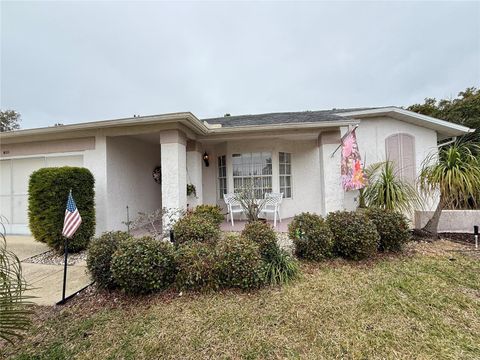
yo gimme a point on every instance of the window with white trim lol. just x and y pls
(222, 176)
(285, 173)
(253, 169)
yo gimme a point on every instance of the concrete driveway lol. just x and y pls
(46, 280)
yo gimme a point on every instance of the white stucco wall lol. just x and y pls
(459, 221)
(130, 163)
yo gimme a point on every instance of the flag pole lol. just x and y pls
(65, 247)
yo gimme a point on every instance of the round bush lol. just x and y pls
(239, 263)
(392, 227)
(355, 236)
(100, 252)
(211, 212)
(264, 236)
(196, 266)
(144, 265)
(47, 200)
(195, 228)
(311, 237)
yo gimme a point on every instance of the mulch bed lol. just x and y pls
(54, 258)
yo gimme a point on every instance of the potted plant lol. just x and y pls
(191, 190)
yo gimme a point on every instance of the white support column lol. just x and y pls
(96, 161)
(174, 170)
(330, 167)
(194, 172)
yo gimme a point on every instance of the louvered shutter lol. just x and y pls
(400, 149)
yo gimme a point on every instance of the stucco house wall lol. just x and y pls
(129, 179)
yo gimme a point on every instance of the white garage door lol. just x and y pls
(14, 177)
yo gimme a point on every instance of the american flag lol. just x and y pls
(72, 218)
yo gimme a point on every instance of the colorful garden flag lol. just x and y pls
(353, 177)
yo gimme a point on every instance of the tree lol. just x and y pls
(463, 110)
(9, 120)
(454, 174)
(387, 190)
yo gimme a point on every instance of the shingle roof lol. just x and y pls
(282, 117)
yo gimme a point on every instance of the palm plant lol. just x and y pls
(454, 174)
(387, 190)
(14, 307)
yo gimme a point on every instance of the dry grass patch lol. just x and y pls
(421, 305)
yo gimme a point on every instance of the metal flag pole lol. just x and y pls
(65, 246)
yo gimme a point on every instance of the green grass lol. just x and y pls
(424, 306)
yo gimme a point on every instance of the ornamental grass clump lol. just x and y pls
(355, 235)
(145, 265)
(195, 228)
(100, 254)
(280, 267)
(311, 237)
(392, 227)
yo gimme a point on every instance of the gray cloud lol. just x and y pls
(82, 61)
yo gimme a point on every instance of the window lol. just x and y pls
(222, 176)
(400, 149)
(285, 172)
(253, 169)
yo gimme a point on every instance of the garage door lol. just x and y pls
(14, 177)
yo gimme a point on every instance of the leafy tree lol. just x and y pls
(9, 120)
(455, 174)
(463, 110)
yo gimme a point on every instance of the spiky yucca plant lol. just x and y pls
(454, 174)
(387, 190)
(14, 304)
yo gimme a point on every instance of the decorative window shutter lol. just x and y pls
(400, 149)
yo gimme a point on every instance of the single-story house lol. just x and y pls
(292, 152)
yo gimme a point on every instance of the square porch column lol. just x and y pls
(173, 156)
(330, 172)
(194, 172)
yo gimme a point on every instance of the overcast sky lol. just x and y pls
(72, 62)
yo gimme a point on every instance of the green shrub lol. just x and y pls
(311, 237)
(239, 263)
(47, 200)
(196, 266)
(281, 268)
(195, 228)
(211, 212)
(144, 265)
(392, 227)
(355, 236)
(264, 236)
(100, 252)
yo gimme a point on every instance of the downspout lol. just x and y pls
(448, 142)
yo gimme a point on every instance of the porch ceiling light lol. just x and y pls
(206, 159)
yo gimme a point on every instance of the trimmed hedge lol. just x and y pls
(211, 212)
(145, 265)
(392, 227)
(264, 236)
(239, 263)
(47, 200)
(355, 236)
(196, 266)
(195, 228)
(100, 254)
(311, 237)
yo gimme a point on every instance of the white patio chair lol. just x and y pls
(272, 206)
(233, 206)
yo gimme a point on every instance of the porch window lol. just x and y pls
(285, 173)
(253, 169)
(222, 176)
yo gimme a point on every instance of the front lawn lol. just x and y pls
(425, 305)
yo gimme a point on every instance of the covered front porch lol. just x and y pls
(239, 225)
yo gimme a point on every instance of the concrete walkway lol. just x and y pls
(46, 280)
